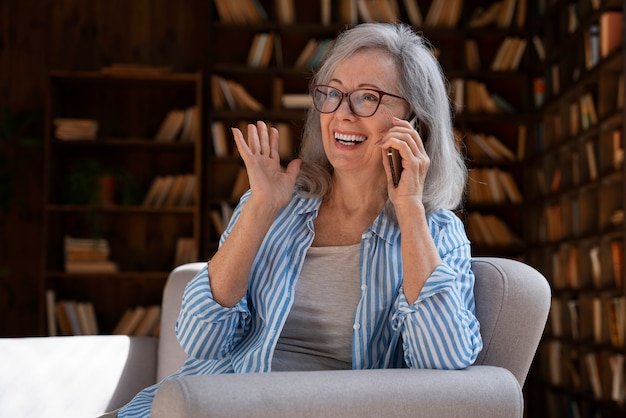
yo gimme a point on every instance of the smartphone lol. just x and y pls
(395, 163)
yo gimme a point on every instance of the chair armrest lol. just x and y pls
(477, 391)
(73, 376)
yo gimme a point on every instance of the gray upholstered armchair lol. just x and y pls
(86, 376)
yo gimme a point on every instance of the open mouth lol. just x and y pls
(349, 140)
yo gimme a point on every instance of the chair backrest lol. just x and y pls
(512, 304)
(171, 355)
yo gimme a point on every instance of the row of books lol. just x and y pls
(265, 45)
(313, 52)
(492, 185)
(473, 96)
(140, 321)
(75, 129)
(487, 147)
(488, 229)
(229, 94)
(603, 37)
(180, 125)
(599, 372)
(501, 14)
(241, 12)
(554, 76)
(600, 319)
(507, 58)
(172, 190)
(88, 255)
(577, 215)
(69, 317)
(599, 267)
(440, 13)
(580, 113)
(610, 146)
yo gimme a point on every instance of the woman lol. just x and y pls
(328, 264)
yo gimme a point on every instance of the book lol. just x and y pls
(506, 12)
(176, 191)
(484, 17)
(325, 12)
(611, 31)
(190, 129)
(413, 12)
(188, 194)
(241, 97)
(296, 101)
(163, 191)
(171, 126)
(76, 267)
(51, 319)
(219, 137)
(472, 55)
(286, 11)
(153, 192)
(83, 255)
(129, 321)
(260, 52)
(76, 129)
(149, 321)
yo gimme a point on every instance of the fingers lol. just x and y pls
(261, 140)
(403, 137)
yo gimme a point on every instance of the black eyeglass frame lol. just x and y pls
(347, 95)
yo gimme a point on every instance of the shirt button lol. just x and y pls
(356, 326)
(364, 287)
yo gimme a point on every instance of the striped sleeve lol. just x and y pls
(206, 329)
(440, 330)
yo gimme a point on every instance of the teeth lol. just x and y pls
(349, 138)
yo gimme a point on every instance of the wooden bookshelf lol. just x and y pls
(129, 107)
(575, 190)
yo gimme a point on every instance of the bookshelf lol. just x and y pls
(101, 186)
(575, 190)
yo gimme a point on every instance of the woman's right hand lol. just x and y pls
(270, 185)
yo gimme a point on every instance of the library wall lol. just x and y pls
(38, 35)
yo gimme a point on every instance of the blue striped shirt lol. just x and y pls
(438, 331)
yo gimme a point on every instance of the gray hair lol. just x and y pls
(422, 83)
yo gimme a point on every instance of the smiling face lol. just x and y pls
(350, 140)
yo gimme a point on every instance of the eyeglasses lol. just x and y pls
(362, 102)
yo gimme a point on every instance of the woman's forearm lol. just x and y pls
(419, 252)
(229, 268)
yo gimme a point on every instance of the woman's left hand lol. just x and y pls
(415, 162)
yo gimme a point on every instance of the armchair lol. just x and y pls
(86, 376)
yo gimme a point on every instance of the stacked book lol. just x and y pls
(75, 129)
(86, 255)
